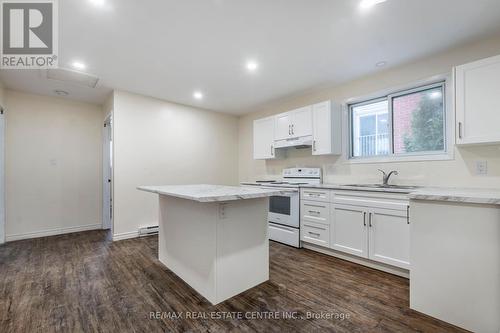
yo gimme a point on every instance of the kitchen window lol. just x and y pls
(406, 123)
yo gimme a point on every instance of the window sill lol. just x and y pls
(399, 159)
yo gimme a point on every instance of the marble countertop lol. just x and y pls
(466, 195)
(362, 188)
(212, 193)
(450, 194)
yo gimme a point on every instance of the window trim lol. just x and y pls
(444, 81)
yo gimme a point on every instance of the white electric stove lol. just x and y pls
(284, 210)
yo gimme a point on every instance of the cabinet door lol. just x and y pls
(348, 231)
(477, 101)
(302, 121)
(327, 129)
(283, 127)
(389, 237)
(263, 138)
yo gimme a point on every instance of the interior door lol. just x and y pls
(302, 122)
(107, 161)
(348, 232)
(389, 237)
(283, 126)
(2, 176)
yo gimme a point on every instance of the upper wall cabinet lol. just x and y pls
(263, 138)
(317, 125)
(477, 91)
(327, 125)
(294, 124)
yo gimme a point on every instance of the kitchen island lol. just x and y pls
(214, 237)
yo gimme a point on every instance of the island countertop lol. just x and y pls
(213, 193)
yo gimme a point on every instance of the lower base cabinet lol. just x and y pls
(367, 225)
(389, 237)
(348, 230)
(377, 234)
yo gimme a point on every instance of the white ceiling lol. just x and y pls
(170, 48)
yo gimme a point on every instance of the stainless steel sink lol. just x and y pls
(394, 187)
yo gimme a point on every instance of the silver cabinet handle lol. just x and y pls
(289, 129)
(407, 214)
(293, 131)
(314, 234)
(314, 212)
(272, 150)
(364, 219)
(370, 219)
(314, 145)
(459, 129)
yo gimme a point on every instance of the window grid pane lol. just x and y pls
(370, 129)
(416, 124)
(418, 121)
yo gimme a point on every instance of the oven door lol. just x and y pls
(284, 209)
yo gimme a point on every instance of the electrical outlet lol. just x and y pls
(481, 168)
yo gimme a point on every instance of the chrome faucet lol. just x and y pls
(387, 176)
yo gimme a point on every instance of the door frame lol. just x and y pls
(107, 172)
(2, 175)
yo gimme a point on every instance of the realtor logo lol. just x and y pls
(29, 34)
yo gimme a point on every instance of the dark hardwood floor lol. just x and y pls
(83, 282)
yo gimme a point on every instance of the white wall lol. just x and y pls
(157, 142)
(458, 172)
(53, 165)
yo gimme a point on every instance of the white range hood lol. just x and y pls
(302, 141)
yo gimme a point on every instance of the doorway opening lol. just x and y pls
(107, 172)
(2, 176)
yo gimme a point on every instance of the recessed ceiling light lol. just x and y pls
(61, 92)
(252, 66)
(78, 65)
(98, 2)
(365, 4)
(381, 63)
(198, 95)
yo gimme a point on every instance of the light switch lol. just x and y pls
(481, 168)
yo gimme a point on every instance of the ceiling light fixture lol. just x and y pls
(381, 63)
(198, 95)
(79, 65)
(366, 4)
(252, 66)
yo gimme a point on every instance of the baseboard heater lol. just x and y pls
(148, 231)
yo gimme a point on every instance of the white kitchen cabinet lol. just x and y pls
(315, 211)
(263, 138)
(316, 233)
(477, 91)
(327, 129)
(294, 124)
(283, 126)
(348, 232)
(302, 122)
(389, 237)
(315, 194)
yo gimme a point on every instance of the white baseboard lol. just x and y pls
(53, 232)
(361, 261)
(125, 235)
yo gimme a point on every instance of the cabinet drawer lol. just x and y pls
(315, 233)
(315, 211)
(315, 195)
